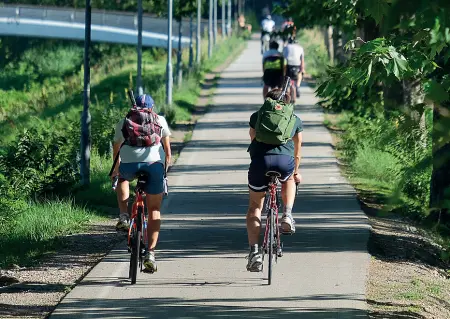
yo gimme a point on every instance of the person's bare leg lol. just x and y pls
(288, 190)
(154, 219)
(123, 193)
(299, 83)
(256, 201)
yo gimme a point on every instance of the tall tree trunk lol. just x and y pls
(328, 36)
(338, 43)
(440, 178)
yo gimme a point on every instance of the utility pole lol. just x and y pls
(191, 40)
(179, 54)
(199, 32)
(140, 90)
(210, 28)
(169, 71)
(215, 22)
(229, 19)
(224, 32)
(86, 116)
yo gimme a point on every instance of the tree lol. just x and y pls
(404, 44)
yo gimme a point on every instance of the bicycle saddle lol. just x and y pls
(273, 174)
(142, 178)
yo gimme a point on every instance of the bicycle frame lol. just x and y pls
(272, 243)
(137, 233)
(272, 206)
(138, 203)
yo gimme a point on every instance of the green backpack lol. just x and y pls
(275, 123)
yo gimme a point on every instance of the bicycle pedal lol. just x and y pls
(149, 271)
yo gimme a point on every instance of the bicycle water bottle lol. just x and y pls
(166, 186)
(114, 183)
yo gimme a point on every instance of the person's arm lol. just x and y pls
(167, 150)
(298, 138)
(252, 133)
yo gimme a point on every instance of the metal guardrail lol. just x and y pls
(123, 20)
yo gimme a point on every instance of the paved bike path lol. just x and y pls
(203, 240)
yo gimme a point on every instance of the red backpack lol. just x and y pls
(141, 127)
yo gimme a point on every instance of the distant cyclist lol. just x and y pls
(274, 68)
(152, 160)
(267, 27)
(295, 57)
(267, 155)
(288, 29)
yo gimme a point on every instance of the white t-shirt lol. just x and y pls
(293, 53)
(136, 154)
(267, 25)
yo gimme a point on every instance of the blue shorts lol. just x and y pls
(155, 173)
(257, 179)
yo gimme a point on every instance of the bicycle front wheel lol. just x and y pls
(134, 258)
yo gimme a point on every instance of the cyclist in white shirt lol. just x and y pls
(267, 27)
(153, 161)
(295, 57)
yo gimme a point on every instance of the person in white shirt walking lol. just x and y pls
(267, 27)
(295, 57)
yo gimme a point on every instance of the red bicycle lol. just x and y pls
(272, 245)
(137, 233)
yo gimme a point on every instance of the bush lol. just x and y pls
(40, 162)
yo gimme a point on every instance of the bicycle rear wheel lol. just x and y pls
(270, 220)
(135, 250)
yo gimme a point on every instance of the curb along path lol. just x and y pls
(203, 239)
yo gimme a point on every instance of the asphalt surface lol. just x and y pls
(203, 242)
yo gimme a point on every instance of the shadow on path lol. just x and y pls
(208, 308)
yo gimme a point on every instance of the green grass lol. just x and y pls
(35, 230)
(376, 167)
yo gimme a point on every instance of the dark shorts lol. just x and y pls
(257, 179)
(292, 71)
(273, 78)
(155, 173)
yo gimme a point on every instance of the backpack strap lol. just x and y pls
(115, 160)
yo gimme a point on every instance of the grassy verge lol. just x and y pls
(37, 228)
(32, 225)
(387, 162)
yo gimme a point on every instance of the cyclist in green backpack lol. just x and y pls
(276, 138)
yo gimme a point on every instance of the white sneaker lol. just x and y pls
(254, 262)
(287, 224)
(123, 223)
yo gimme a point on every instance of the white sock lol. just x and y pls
(287, 210)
